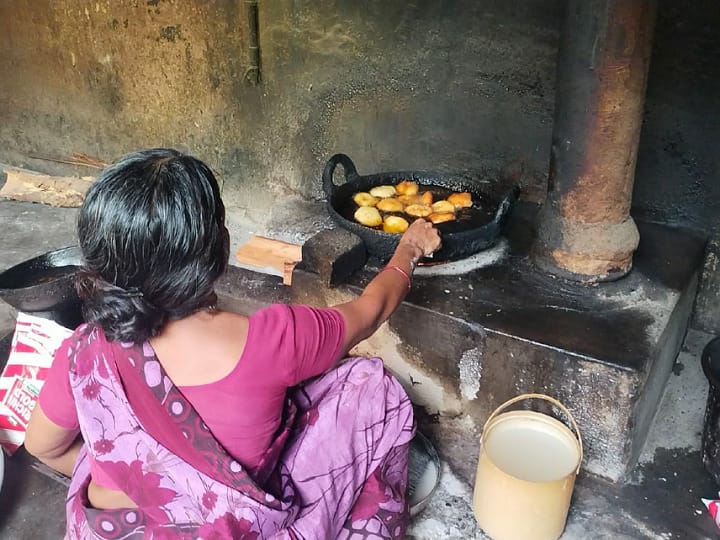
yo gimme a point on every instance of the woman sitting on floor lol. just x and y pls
(176, 419)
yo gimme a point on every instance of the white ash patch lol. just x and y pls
(455, 486)
(480, 260)
(470, 373)
(467, 423)
(658, 306)
(449, 513)
(423, 388)
(681, 413)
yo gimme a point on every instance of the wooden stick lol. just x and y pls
(97, 164)
(63, 191)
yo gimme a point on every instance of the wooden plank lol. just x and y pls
(64, 191)
(265, 253)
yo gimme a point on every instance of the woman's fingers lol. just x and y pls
(424, 235)
(434, 242)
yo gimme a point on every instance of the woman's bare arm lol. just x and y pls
(55, 446)
(364, 315)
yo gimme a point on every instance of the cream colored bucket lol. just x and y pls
(526, 473)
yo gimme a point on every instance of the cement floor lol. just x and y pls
(662, 501)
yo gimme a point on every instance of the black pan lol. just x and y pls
(476, 228)
(45, 286)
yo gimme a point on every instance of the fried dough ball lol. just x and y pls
(426, 198)
(383, 192)
(443, 207)
(409, 199)
(390, 205)
(365, 199)
(418, 210)
(441, 217)
(460, 200)
(368, 216)
(395, 224)
(406, 187)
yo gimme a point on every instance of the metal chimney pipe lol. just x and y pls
(586, 232)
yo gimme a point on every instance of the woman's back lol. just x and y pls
(236, 370)
(202, 348)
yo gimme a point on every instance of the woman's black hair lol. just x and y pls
(153, 237)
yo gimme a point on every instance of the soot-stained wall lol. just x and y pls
(461, 85)
(677, 179)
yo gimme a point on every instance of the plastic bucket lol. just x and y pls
(711, 429)
(526, 473)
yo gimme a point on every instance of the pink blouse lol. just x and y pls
(285, 345)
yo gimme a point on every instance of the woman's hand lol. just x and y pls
(422, 237)
(385, 293)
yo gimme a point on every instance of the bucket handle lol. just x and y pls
(552, 400)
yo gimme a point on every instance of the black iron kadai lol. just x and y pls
(476, 228)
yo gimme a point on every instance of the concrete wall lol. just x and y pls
(454, 85)
(678, 172)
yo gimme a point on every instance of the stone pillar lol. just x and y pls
(586, 232)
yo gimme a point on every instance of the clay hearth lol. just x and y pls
(463, 343)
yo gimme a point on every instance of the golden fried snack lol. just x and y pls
(368, 216)
(383, 192)
(460, 200)
(409, 199)
(365, 199)
(395, 224)
(406, 187)
(390, 205)
(443, 207)
(426, 198)
(418, 210)
(441, 217)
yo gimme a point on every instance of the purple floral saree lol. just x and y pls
(337, 468)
